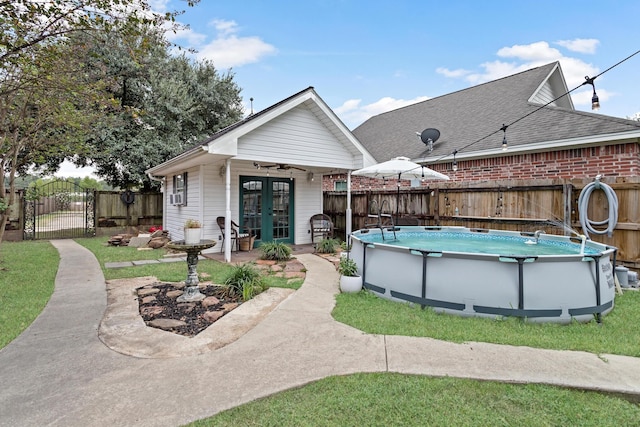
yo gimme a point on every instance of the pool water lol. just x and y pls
(477, 243)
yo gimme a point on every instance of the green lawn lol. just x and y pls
(384, 399)
(27, 275)
(370, 399)
(168, 272)
(615, 335)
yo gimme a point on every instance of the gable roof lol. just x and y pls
(224, 143)
(469, 120)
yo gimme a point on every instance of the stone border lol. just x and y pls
(123, 330)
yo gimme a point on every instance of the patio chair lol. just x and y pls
(235, 232)
(322, 226)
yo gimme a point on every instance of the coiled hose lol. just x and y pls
(583, 204)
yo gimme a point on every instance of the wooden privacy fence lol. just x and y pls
(550, 205)
(113, 210)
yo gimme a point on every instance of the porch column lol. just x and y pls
(348, 211)
(227, 214)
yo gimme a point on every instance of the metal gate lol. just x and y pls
(59, 210)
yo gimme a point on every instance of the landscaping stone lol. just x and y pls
(158, 242)
(153, 310)
(148, 299)
(147, 291)
(208, 301)
(174, 294)
(212, 316)
(138, 242)
(166, 323)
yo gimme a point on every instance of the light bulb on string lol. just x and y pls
(505, 147)
(454, 166)
(595, 101)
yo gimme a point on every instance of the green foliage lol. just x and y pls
(347, 267)
(244, 281)
(276, 251)
(164, 104)
(27, 275)
(192, 223)
(327, 246)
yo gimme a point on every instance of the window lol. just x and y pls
(180, 187)
(340, 186)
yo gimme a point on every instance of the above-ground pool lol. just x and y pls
(491, 273)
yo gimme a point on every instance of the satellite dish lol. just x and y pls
(430, 134)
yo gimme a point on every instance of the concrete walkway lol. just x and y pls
(59, 373)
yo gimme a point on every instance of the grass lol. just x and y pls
(24, 289)
(167, 272)
(615, 334)
(383, 399)
(370, 399)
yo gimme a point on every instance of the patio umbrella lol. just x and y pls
(400, 168)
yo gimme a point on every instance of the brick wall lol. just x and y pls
(610, 160)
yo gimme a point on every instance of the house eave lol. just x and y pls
(596, 140)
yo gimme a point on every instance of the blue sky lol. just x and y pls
(367, 57)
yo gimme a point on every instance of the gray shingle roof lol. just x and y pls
(468, 116)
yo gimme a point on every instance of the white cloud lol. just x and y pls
(583, 97)
(235, 51)
(353, 114)
(190, 37)
(580, 45)
(539, 51)
(460, 72)
(159, 6)
(524, 57)
(227, 49)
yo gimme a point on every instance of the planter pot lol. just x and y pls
(246, 243)
(350, 284)
(191, 236)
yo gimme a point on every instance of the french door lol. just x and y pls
(267, 208)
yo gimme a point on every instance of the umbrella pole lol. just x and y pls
(397, 201)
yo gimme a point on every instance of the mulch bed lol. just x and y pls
(159, 308)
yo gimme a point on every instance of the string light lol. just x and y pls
(595, 101)
(504, 137)
(454, 166)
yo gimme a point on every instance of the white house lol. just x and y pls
(263, 172)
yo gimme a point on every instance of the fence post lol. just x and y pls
(567, 197)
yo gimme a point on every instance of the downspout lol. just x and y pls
(348, 211)
(227, 221)
(164, 197)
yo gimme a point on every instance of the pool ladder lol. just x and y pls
(383, 220)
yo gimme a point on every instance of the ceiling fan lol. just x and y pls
(278, 166)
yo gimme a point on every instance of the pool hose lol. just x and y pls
(583, 204)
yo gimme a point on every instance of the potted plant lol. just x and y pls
(350, 280)
(192, 232)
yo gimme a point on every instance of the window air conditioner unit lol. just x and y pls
(176, 199)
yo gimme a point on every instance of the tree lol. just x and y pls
(166, 104)
(47, 97)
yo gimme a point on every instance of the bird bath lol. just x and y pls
(191, 290)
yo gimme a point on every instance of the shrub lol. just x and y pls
(192, 223)
(276, 251)
(244, 281)
(347, 267)
(327, 246)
